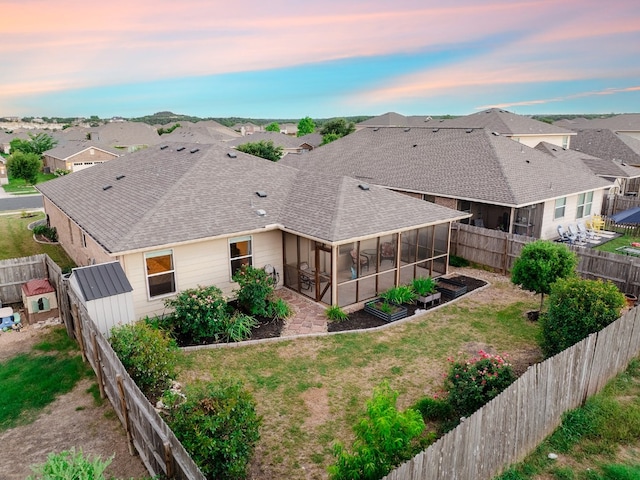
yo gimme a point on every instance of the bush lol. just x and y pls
(70, 465)
(472, 383)
(398, 295)
(434, 409)
(456, 261)
(424, 286)
(199, 313)
(48, 232)
(218, 426)
(148, 355)
(578, 308)
(335, 314)
(385, 437)
(237, 327)
(256, 290)
(279, 309)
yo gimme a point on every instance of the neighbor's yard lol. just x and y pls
(16, 240)
(17, 186)
(311, 391)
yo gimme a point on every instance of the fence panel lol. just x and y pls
(14, 272)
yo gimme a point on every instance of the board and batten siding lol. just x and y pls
(199, 264)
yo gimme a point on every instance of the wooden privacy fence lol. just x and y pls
(158, 447)
(499, 250)
(509, 427)
(17, 271)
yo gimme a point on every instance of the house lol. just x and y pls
(627, 124)
(74, 156)
(504, 184)
(608, 144)
(200, 132)
(180, 215)
(4, 174)
(310, 141)
(127, 136)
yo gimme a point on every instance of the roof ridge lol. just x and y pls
(501, 165)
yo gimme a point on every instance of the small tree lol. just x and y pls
(540, 264)
(578, 308)
(329, 137)
(339, 126)
(37, 144)
(263, 149)
(273, 127)
(306, 126)
(385, 437)
(25, 166)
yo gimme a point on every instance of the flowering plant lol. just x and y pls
(256, 290)
(473, 382)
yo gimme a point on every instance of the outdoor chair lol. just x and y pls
(364, 260)
(387, 252)
(565, 236)
(579, 236)
(588, 232)
(307, 277)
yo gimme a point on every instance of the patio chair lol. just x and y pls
(364, 260)
(387, 252)
(307, 277)
(588, 232)
(579, 236)
(596, 223)
(565, 236)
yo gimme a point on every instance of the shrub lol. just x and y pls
(237, 327)
(48, 232)
(335, 314)
(434, 409)
(199, 313)
(279, 309)
(456, 261)
(218, 426)
(472, 383)
(423, 286)
(385, 437)
(398, 295)
(70, 465)
(578, 308)
(148, 355)
(256, 290)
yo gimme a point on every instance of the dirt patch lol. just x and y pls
(317, 402)
(72, 420)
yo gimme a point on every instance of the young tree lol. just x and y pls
(540, 264)
(329, 137)
(273, 127)
(37, 144)
(25, 166)
(305, 126)
(578, 308)
(338, 126)
(264, 149)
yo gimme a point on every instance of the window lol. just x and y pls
(160, 273)
(565, 141)
(84, 240)
(561, 203)
(240, 253)
(584, 204)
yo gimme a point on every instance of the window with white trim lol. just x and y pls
(240, 253)
(585, 201)
(561, 204)
(161, 278)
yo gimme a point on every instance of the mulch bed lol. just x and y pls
(361, 319)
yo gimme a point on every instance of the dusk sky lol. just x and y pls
(290, 59)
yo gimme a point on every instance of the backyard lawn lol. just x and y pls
(16, 240)
(18, 186)
(623, 241)
(310, 391)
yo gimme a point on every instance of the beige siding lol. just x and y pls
(200, 264)
(533, 140)
(549, 225)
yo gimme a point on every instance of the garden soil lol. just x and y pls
(72, 420)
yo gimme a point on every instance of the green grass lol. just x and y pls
(592, 440)
(311, 391)
(18, 186)
(16, 240)
(33, 380)
(623, 241)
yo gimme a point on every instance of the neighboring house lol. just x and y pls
(128, 136)
(504, 184)
(247, 128)
(176, 216)
(289, 129)
(5, 142)
(389, 119)
(4, 176)
(288, 143)
(75, 156)
(201, 132)
(310, 141)
(626, 123)
(608, 144)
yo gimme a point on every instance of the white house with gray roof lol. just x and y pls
(504, 184)
(74, 156)
(180, 215)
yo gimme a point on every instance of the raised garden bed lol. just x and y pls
(451, 288)
(398, 311)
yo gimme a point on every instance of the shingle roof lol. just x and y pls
(476, 165)
(503, 122)
(278, 139)
(389, 119)
(119, 134)
(626, 122)
(102, 280)
(607, 144)
(168, 196)
(70, 148)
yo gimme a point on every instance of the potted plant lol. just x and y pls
(389, 306)
(426, 290)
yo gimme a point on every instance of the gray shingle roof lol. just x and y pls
(607, 144)
(626, 122)
(119, 134)
(389, 119)
(476, 166)
(278, 139)
(102, 280)
(169, 196)
(72, 147)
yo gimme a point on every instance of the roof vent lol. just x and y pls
(376, 129)
(106, 187)
(495, 133)
(415, 145)
(469, 130)
(120, 177)
(163, 147)
(261, 194)
(194, 150)
(261, 212)
(364, 186)
(180, 149)
(232, 154)
(407, 129)
(527, 161)
(435, 130)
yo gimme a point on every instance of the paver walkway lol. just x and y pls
(308, 316)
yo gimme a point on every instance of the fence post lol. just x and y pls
(77, 321)
(96, 356)
(125, 413)
(168, 460)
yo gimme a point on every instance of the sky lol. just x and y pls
(328, 58)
